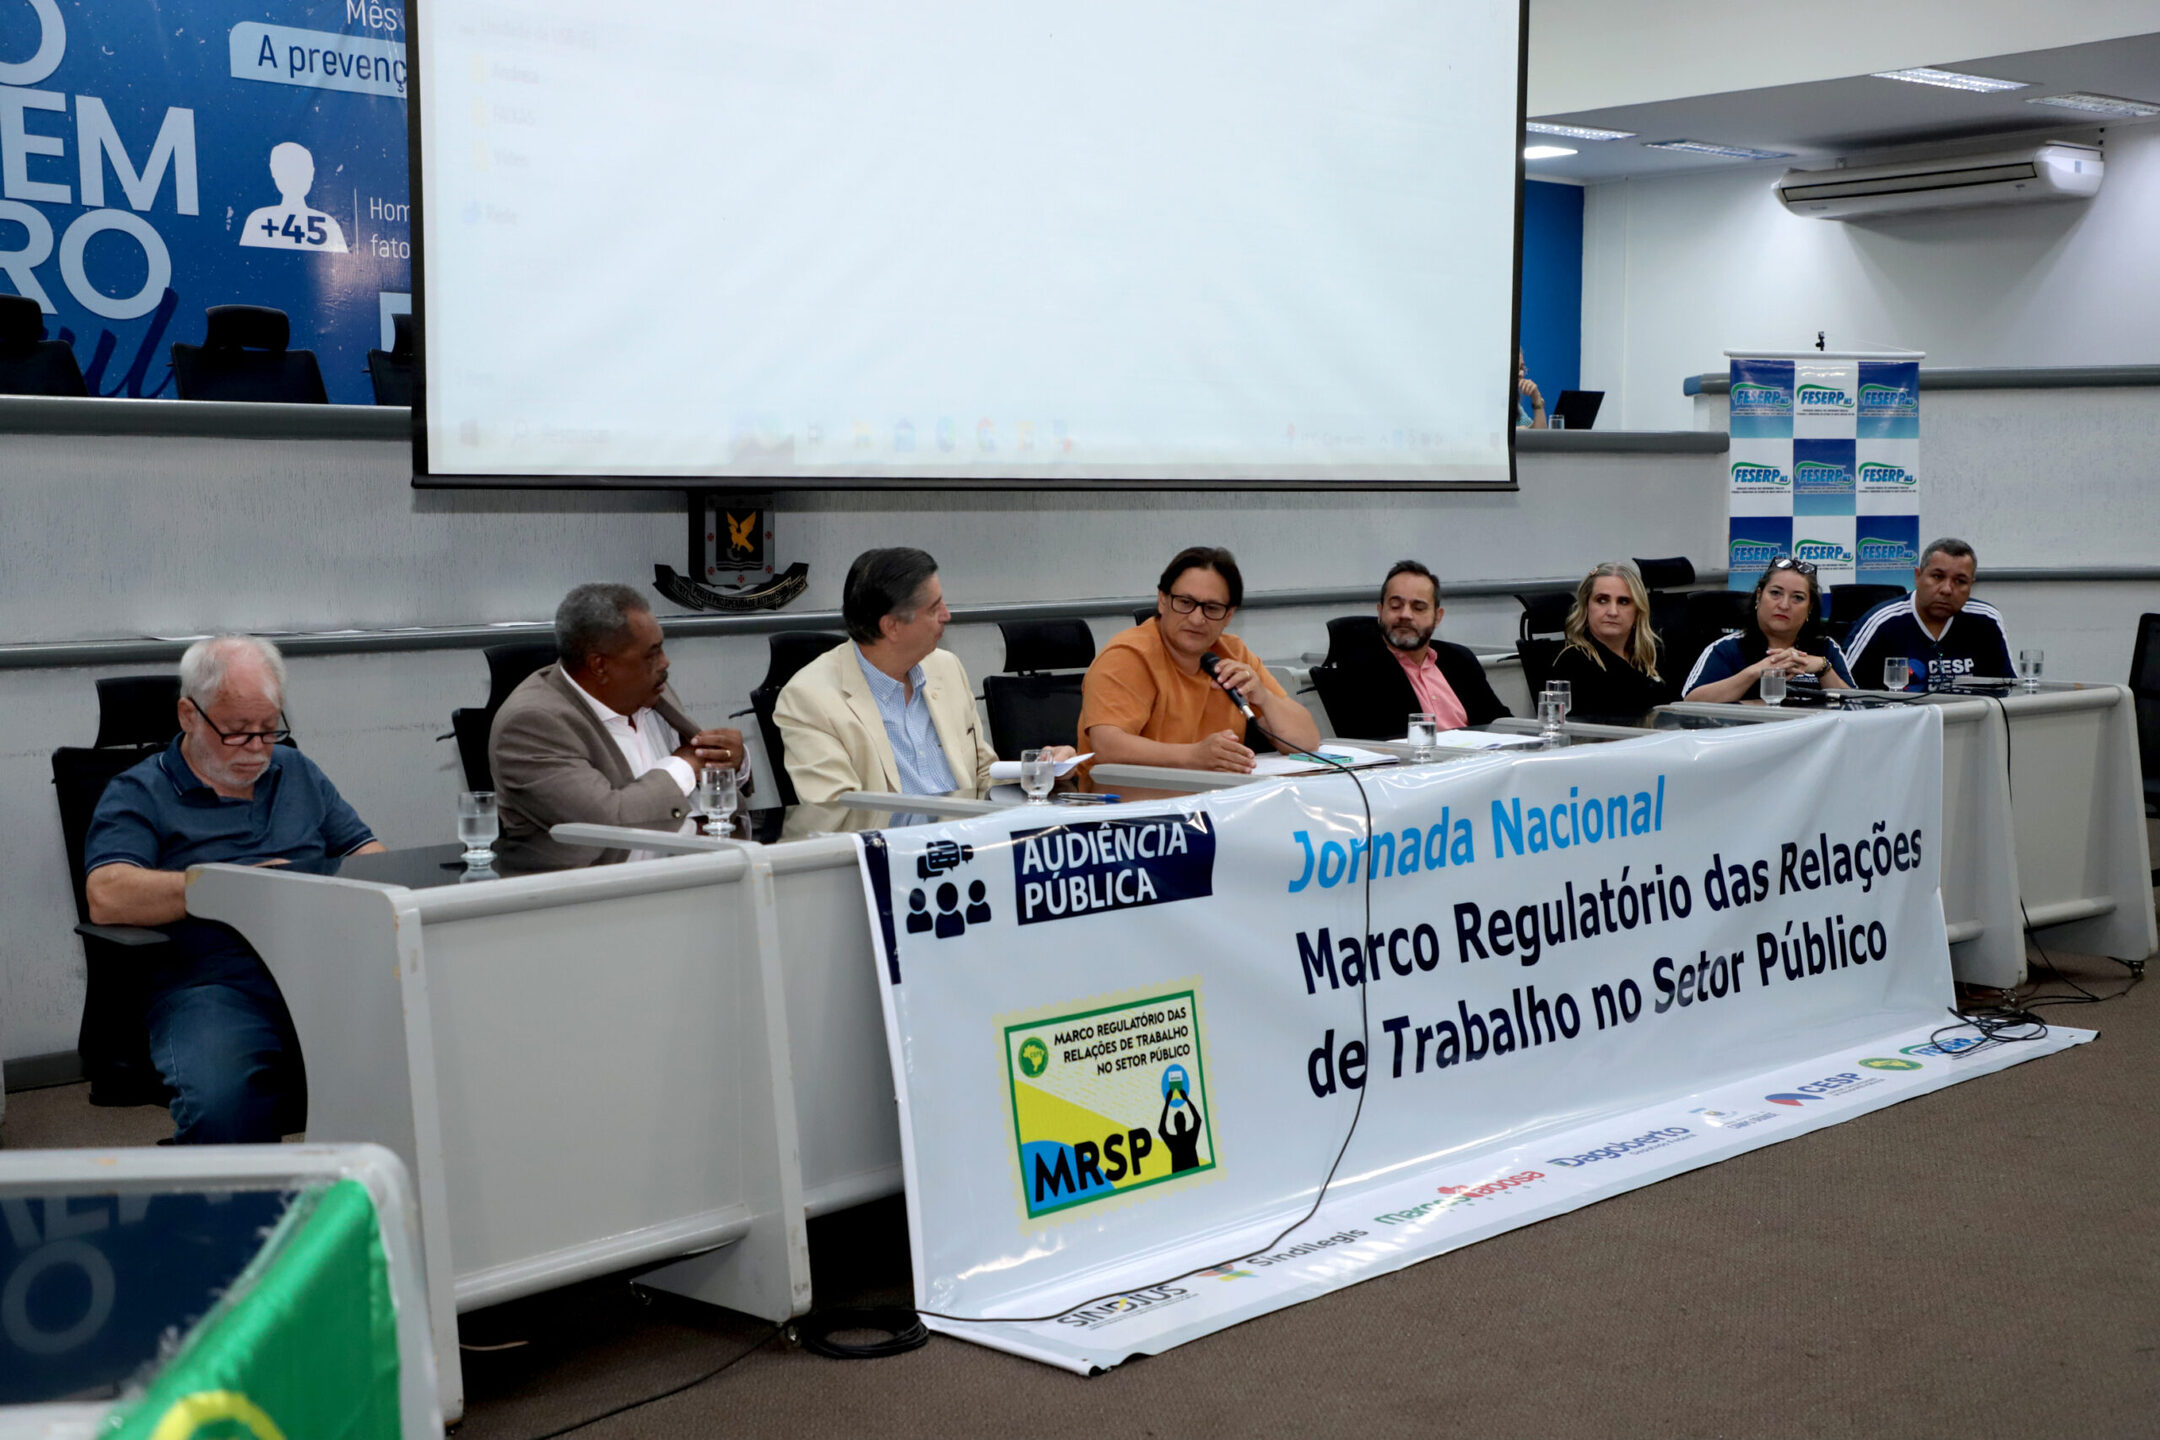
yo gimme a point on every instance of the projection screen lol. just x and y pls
(834, 244)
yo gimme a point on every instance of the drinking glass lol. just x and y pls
(1552, 715)
(1424, 732)
(1038, 775)
(477, 825)
(2029, 662)
(1565, 693)
(1556, 422)
(1896, 673)
(716, 797)
(1773, 687)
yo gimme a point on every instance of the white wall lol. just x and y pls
(1676, 270)
(1587, 54)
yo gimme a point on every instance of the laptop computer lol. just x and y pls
(1578, 408)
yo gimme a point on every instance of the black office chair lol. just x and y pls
(1711, 615)
(1351, 714)
(1144, 614)
(1544, 612)
(137, 717)
(1849, 602)
(244, 357)
(791, 650)
(1028, 707)
(1538, 655)
(508, 666)
(2145, 686)
(29, 363)
(1664, 578)
(392, 370)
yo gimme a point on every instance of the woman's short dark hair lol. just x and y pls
(1811, 627)
(1205, 557)
(881, 583)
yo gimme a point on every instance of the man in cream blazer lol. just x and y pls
(891, 711)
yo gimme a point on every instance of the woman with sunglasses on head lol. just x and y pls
(1782, 633)
(1610, 660)
(1149, 700)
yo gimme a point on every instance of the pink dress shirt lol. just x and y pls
(1435, 696)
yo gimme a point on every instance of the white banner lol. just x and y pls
(1129, 1044)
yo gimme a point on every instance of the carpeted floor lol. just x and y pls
(1978, 1262)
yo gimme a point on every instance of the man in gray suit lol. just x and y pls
(598, 737)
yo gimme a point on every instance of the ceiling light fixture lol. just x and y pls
(2098, 105)
(1577, 132)
(1545, 152)
(1951, 79)
(1729, 152)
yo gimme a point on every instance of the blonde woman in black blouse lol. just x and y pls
(1610, 660)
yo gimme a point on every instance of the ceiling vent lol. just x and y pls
(1999, 177)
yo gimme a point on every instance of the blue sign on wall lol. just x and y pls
(158, 157)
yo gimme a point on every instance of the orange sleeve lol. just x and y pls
(1118, 690)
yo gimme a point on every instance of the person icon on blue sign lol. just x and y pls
(290, 224)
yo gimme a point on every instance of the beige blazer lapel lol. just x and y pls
(855, 693)
(600, 747)
(952, 711)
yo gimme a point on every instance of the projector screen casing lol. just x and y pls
(1005, 467)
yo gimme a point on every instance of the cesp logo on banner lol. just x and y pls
(1878, 552)
(1086, 867)
(1817, 399)
(1753, 398)
(97, 147)
(1879, 475)
(1751, 477)
(1108, 1100)
(1822, 553)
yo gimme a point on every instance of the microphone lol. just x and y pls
(1208, 662)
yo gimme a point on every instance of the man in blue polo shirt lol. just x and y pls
(223, 792)
(1939, 629)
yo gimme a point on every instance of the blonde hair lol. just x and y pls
(1640, 648)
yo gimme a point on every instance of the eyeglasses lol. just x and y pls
(1186, 604)
(234, 739)
(1786, 562)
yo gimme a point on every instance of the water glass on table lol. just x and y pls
(1038, 775)
(1896, 673)
(477, 825)
(1552, 717)
(716, 797)
(2029, 663)
(1564, 692)
(1423, 733)
(1773, 686)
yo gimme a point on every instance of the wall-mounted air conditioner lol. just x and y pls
(1999, 177)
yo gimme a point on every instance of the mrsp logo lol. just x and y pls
(1748, 475)
(1822, 552)
(1817, 399)
(1877, 475)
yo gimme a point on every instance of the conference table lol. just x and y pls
(621, 1048)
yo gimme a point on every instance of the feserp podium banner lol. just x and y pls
(1129, 1043)
(1824, 466)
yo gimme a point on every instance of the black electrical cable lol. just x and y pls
(691, 1384)
(1364, 1044)
(2017, 1020)
(903, 1332)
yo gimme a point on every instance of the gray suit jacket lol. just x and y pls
(555, 762)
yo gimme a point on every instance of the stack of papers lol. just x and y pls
(1305, 764)
(1007, 772)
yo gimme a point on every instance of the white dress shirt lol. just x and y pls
(647, 741)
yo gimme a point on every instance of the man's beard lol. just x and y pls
(1418, 640)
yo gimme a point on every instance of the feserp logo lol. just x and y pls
(1750, 554)
(1876, 551)
(1875, 472)
(1819, 473)
(1747, 472)
(1750, 396)
(1821, 552)
(1823, 397)
(1889, 400)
